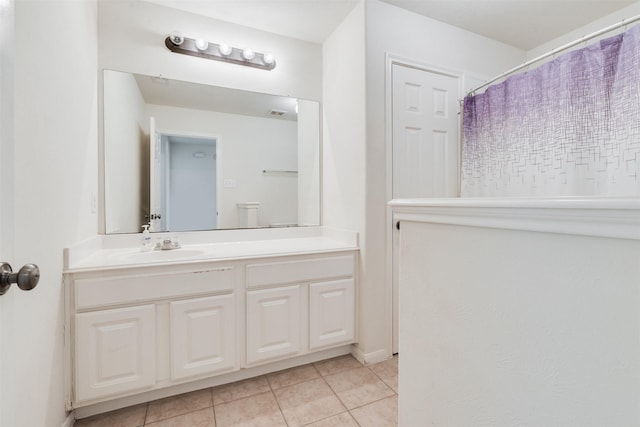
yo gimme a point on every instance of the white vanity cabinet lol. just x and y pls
(138, 329)
(144, 331)
(294, 307)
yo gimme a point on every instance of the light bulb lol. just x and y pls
(202, 44)
(268, 58)
(176, 38)
(248, 54)
(224, 49)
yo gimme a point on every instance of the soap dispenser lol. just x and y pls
(146, 244)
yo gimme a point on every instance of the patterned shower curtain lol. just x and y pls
(570, 127)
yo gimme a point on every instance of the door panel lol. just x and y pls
(425, 133)
(202, 336)
(273, 323)
(331, 313)
(115, 351)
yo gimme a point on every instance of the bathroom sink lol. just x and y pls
(161, 255)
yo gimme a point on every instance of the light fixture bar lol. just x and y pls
(212, 51)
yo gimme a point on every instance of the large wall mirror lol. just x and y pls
(185, 157)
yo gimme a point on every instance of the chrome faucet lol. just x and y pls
(167, 244)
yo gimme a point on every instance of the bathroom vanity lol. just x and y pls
(145, 325)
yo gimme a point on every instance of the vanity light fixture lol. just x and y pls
(268, 58)
(225, 49)
(176, 38)
(201, 45)
(219, 52)
(248, 54)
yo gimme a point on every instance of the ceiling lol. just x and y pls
(521, 23)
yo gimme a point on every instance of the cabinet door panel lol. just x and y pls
(331, 313)
(202, 336)
(115, 351)
(273, 323)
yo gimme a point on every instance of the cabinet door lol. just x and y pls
(273, 323)
(115, 351)
(331, 313)
(202, 336)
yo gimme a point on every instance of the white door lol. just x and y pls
(273, 323)
(425, 133)
(425, 127)
(202, 336)
(331, 313)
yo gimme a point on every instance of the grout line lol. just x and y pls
(146, 413)
(276, 399)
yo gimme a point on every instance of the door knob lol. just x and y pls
(27, 277)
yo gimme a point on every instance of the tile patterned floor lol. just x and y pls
(338, 392)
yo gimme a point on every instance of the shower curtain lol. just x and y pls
(570, 127)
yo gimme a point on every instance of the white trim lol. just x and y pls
(70, 420)
(371, 358)
(597, 217)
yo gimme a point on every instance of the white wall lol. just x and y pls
(355, 174)
(246, 146)
(55, 175)
(132, 34)
(343, 156)
(508, 327)
(127, 130)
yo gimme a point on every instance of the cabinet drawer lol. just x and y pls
(98, 292)
(303, 270)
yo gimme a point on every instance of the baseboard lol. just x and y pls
(70, 420)
(370, 358)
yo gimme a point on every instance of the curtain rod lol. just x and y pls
(559, 49)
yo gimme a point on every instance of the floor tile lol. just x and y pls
(256, 411)
(133, 416)
(292, 376)
(383, 413)
(178, 405)
(387, 371)
(307, 402)
(357, 387)
(337, 364)
(201, 418)
(240, 390)
(341, 420)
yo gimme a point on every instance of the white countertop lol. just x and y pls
(99, 254)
